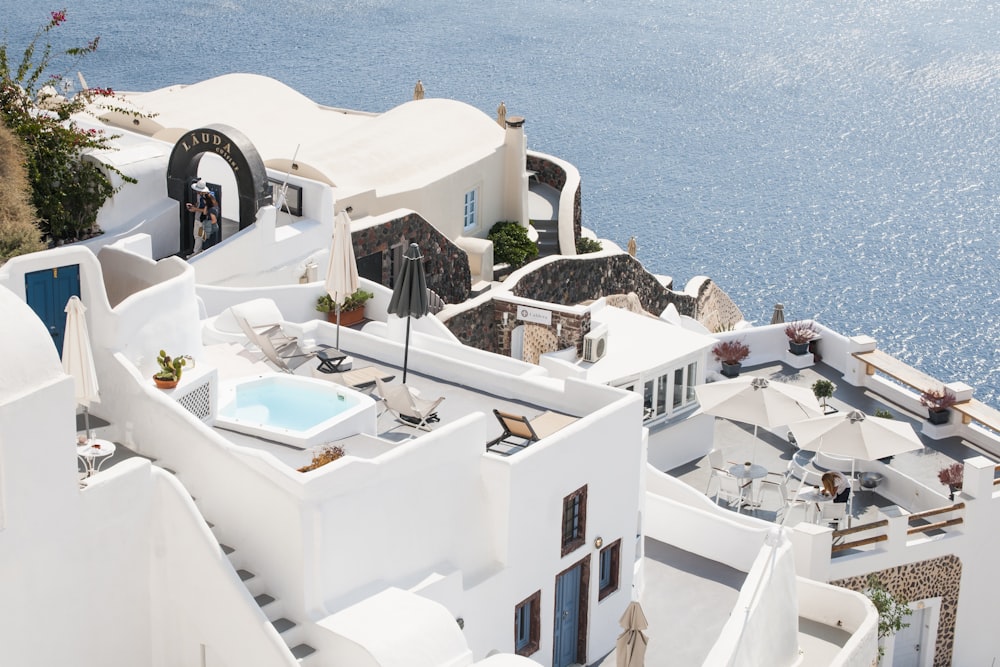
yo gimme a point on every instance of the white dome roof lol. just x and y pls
(28, 359)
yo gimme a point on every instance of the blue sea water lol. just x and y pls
(839, 157)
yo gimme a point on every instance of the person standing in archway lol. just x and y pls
(213, 220)
(207, 210)
(198, 209)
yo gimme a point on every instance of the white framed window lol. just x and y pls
(471, 206)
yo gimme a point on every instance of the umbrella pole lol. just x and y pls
(406, 348)
(338, 326)
(850, 496)
(86, 421)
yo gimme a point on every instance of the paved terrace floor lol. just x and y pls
(687, 598)
(234, 362)
(772, 450)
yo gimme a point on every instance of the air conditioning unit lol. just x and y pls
(595, 344)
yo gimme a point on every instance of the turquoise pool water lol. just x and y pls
(285, 408)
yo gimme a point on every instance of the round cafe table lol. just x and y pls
(93, 454)
(814, 496)
(748, 475)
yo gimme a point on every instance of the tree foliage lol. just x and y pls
(67, 189)
(511, 244)
(891, 609)
(586, 245)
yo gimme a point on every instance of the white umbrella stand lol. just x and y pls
(78, 358)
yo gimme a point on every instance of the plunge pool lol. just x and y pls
(294, 410)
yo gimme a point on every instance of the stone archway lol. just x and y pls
(242, 157)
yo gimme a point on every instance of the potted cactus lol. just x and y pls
(170, 370)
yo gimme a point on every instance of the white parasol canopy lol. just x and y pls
(856, 436)
(757, 401)
(342, 273)
(630, 648)
(78, 358)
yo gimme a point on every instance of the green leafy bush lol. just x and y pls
(891, 610)
(511, 244)
(67, 191)
(585, 245)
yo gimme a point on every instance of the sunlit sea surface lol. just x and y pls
(837, 157)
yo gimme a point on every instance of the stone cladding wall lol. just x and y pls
(716, 311)
(446, 265)
(569, 281)
(568, 328)
(938, 577)
(476, 327)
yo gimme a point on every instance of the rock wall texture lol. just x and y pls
(938, 577)
(446, 265)
(572, 280)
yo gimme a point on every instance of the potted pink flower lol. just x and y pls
(952, 476)
(731, 353)
(937, 402)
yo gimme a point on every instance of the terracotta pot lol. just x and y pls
(347, 317)
(165, 384)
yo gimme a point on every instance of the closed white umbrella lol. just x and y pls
(630, 648)
(342, 273)
(78, 358)
(758, 401)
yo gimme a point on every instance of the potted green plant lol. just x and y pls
(822, 390)
(352, 309)
(800, 334)
(170, 370)
(952, 476)
(731, 353)
(937, 402)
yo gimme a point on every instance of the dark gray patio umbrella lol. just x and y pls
(409, 295)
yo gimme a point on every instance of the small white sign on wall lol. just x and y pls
(536, 315)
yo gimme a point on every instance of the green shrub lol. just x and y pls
(585, 245)
(891, 610)
(511, 244)
(66, 190)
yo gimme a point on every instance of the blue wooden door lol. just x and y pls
(567, 621)
(47, 293)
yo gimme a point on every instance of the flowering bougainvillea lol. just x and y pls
(66, 190)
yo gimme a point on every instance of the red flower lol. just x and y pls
(59, 17)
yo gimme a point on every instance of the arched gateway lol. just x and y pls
(235, 148)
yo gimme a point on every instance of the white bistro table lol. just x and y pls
(748, 476)
(814, 496)
(94, 453)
